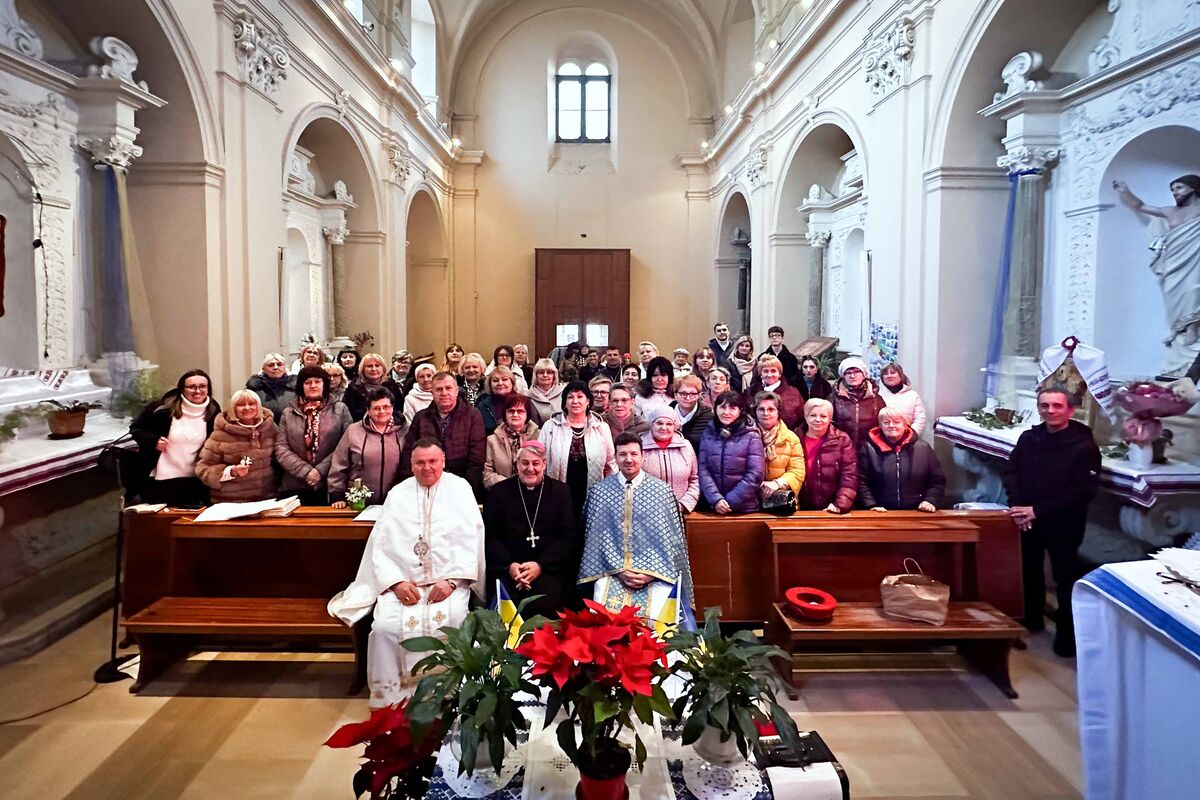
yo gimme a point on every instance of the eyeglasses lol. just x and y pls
(196, 387)
(685, 393)
(620, 401)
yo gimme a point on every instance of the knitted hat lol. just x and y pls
(426, 365)
(853, 362)
(661, 411)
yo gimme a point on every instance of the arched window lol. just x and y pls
(582, 110)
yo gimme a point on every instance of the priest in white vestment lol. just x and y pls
(422, 561)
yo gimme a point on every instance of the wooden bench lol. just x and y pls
(170, 628)
(984, 636)
(245, 581)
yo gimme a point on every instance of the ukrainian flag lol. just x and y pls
(508, 614)
(667, 618)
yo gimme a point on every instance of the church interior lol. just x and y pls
(1000, 195)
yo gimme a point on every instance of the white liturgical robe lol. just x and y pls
(423, 536)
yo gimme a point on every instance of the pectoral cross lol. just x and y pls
(533, 538)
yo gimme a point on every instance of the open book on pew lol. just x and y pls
(262, 508)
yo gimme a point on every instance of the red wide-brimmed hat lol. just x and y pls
(811, 604)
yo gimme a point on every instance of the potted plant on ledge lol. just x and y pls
(470, 687)
(729, 691)
(601, 668)
(66, 421)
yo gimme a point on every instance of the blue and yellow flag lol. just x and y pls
(508, 614)
(667, 617)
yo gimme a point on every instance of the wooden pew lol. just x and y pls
(248, 580)
(733, 567)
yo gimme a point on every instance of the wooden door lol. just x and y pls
(581, 287)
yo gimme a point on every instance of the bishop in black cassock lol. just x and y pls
(532, 523)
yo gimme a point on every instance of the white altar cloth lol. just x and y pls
(1138, 643)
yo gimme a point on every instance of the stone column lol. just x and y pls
(818, 240)
(1027, 166)
(337, 266)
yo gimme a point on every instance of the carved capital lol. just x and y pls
(112, 151)
(1016, 74)
(888, 58)
(119, 60)
(1023, 158)
(262, 58)
(399, 160)
(336, 236)
(817, 238)
(16, 32)
(756, 167)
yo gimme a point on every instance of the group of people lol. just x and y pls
(551, 448)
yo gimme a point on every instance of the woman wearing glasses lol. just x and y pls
(170, 433)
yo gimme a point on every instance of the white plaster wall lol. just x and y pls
(521, 206)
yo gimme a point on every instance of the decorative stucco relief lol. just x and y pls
(17, 33)
(399, 160)
(1081, 275)
(1016, 75)
(756, 167)
(261, 56)
(119, 60)
(53, 284)
(888, 58)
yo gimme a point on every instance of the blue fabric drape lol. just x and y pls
(116, 329)
(1003, 279)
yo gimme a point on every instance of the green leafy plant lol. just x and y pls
(729, 685)
(73, 407)
(992, 421)
(133, 398)
(19, 417)
(472, 679)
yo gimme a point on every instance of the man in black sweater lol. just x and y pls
(1051, 477)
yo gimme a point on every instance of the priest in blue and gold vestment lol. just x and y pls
(634, 547)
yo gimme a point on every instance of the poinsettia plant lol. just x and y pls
(602, 668)
(396, 766)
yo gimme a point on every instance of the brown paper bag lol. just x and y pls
(915, 596)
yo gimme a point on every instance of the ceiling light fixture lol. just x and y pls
(704, 145)
(773, 44)
(759, 67)
(457, 142)
(729, 108)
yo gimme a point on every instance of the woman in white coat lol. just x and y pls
(579, 447)
(896, 392)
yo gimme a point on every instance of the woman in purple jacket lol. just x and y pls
(731, 458)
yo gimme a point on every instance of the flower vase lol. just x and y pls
(356, 505)
(1141, 455)
(603, 777)
(712, 749)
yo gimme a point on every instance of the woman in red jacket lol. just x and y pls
(830, 464)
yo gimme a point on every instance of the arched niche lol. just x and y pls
(733, 264)
(19, 325)
(821, 200)
(1130, 313)
(424, 44)
(330, 194)
(738, 58)
(428, 276)
(297, 289)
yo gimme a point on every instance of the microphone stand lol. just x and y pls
(110, 671)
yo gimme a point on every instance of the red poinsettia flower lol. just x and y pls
(381, 720)
(552, 655)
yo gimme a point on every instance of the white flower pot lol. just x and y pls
(710, 747)
(1141, 456)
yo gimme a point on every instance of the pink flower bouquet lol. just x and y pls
(1149, 403)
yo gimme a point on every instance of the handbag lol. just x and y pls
(780, 502)
(915, 596)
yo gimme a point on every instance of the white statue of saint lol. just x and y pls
(1176, 263)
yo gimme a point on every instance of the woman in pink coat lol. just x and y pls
(668, 457)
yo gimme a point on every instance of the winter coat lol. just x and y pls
(908, 403)
(416, 400)
(856, 414)
(675, 465)
(356, 398)
(721, 354)
(274, 394)
(500, 463)
(464, 443)
(834, 476)
(898, 477)
(635, 424)
(1056, 473)
(693, 429)
(154, 422)
(788, 463)
(597, 445)
(791, 364)
(821, 388)
(370, 455)
(226, 446)
(548, 403)
(493, 416)
(293, 456)
(731, 466)
(791, 403)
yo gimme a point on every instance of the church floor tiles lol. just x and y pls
(237, 726)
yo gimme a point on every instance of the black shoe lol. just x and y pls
(1032, 626)
(1064, 649)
